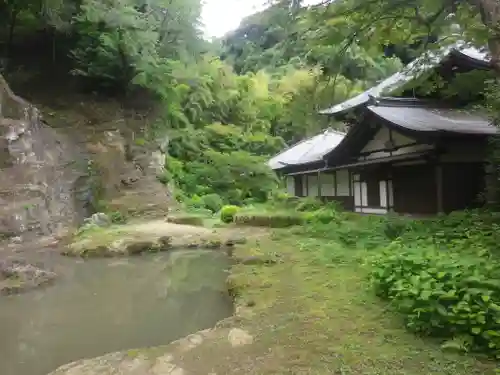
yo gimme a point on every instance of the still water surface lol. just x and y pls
(104, 305)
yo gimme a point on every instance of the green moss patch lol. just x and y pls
(143, 237)
(268, 219)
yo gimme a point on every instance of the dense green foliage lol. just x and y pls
(275, 37)
(224, 116)
(442, 274)
(444, 294)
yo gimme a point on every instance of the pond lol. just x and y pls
(104, 305)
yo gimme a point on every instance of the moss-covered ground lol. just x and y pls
(315, 313)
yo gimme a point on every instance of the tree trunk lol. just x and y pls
(12, 29)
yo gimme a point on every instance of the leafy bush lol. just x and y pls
(272, 220)
(282, 198)
(473, 232)
(165, 177)
(117, 217)
(324, 215)
(227, 213)
(212, 202)
(194, 202)
(443, 294)
(351, 231)
(308, 204)
(395, 226)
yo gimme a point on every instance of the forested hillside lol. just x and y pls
(226, 105)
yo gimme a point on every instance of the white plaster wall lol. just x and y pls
(391, 193)
(357, 193)
(382, 136)
(378, 140)
(312, 185)
(290, 185)
(369, 210)
(327, 181)
(364, 194)
(383, 193)
(343, 183)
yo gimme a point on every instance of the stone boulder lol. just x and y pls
(191, 355)
(17, 276)
(144, 236)
(98, 219)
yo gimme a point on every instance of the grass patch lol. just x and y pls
(316, 313)
(268, 216)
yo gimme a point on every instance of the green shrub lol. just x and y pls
(117, 217)
(281, 197)
(443, 294)
(234, 196)
(194, 201)
(352, 231)
(212, 202)
(473, 232)
(323, 215)
(395, 226)
(165, 177)
(227, 213)
(272, 220)
(308, 204)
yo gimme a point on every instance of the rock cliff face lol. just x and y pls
(38, 170)
(50, 179)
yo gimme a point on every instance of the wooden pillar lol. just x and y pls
(439, 187)
(319, 184)
(335, 183)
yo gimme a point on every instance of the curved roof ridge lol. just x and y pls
(307, 150)
(420, 65)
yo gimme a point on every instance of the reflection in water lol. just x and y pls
(101, 306)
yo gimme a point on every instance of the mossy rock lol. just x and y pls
(143, 237)
(271, 220)
(17, 276)
(186, 220)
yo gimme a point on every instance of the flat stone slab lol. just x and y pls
(166, 360)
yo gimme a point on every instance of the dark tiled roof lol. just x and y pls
(424, 119)
(413, 70)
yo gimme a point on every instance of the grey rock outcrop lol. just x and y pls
(98, 219)
(51, 178)
(17, 276)
(38, 170)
